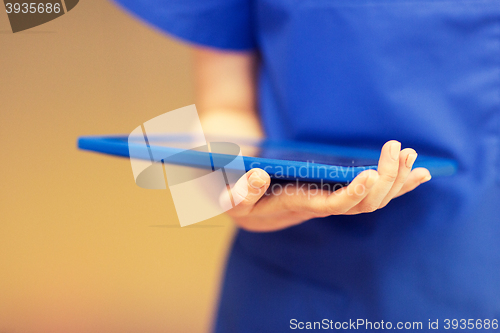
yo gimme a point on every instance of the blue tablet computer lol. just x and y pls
(283, 160)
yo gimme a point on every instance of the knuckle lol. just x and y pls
(329, 210)
(390, 177)
(369, 207)
(317, 208)
(400, 181)
(383, 205)
(246, 202)
(320, 212)
(243, 198)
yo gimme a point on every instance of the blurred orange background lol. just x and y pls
(82, 248)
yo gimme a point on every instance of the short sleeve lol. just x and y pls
(223, 24)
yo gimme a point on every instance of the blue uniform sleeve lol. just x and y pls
(223, 24)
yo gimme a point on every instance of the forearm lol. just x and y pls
(225, 93)
(231, 123)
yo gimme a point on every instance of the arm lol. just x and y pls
(226, 99)
(225, 89)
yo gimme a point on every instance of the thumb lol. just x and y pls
(248, 190)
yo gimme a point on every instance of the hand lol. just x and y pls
(262, 209)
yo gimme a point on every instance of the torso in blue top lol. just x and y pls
(362, 72)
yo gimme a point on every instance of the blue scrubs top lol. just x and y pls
(362, 72)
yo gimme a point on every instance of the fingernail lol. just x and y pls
(395, 149)
(426, 179)
(410, 159)
(255, 181)
(371, 181)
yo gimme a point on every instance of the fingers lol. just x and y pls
(315, 200)
(388, 168)
(248, 190)
(406, 159)
(344, 199)
(369, 191)
(415, 178)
